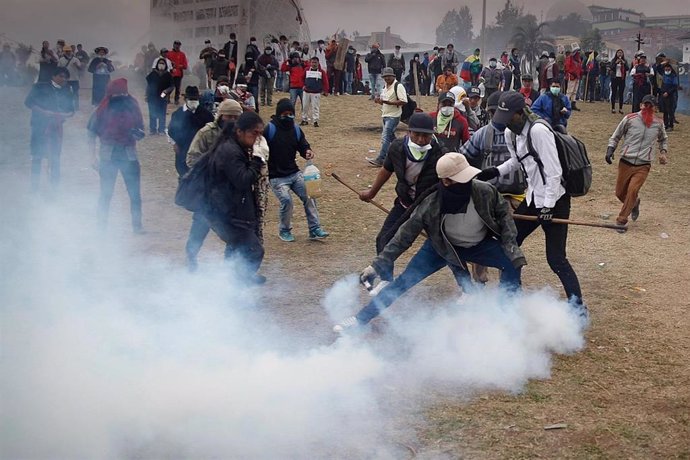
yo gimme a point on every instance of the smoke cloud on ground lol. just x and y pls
(108, 353)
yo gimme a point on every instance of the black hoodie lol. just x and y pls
(284, 147)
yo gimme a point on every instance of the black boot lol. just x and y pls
(574, 104)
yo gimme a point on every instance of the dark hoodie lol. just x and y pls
(284, 145)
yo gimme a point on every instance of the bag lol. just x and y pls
(272, 132)
(409, 108)
(192, 189)
(572, 154)
(514, 182)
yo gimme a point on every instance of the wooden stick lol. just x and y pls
(375, 203)
(416, 84)
(571, 222)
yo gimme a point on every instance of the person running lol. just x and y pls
(184, 124)
(640, 131)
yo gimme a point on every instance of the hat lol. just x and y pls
(575, 46)
(177, 42)
(241, 80)
(101, 48)
(474, 92)
(510, 103)
(66, 48)
(117, 86)
(230, 107)
(492, 59)
(191, 93)
(163, 50)
(446, 97)
(454, 166)
(397, 46)
(492, 100)
(662, 54)
(421, 123)
(387, 72)
(527, 77)
(649, 98)
(223, 79)
(207, 41)
(284, 105)
(639, 53)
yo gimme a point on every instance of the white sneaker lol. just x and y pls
(375, 291)
(347, 323)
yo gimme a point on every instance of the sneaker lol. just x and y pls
(316, 124)
(635, 214)
(347, 323)
(257, 279)
(613, 111)
(304, 123)
(318, 234)
(622, 228)
(621, 112)
(583, 314)
(378, 288)
(286, 236)
(374, 162)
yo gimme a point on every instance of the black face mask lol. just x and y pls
(517, 127)
(455, 197)
(286, 121)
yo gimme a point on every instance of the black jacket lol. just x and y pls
(156, 83)
(375, 62)
(46, 97)
(233, 174)
(184, 124)
(284, 147)
(396, 161)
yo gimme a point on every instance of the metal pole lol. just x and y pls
(483, 53)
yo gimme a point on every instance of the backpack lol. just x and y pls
(192, 189)
(513, 183)
(572, 155)
(272, 132)
(409, 108)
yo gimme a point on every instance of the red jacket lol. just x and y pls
(573, 67)
(297, 74)
(458, 128)
(179, 62)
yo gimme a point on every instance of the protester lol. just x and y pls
(573, 73)
(592, 68)
(220, 67)
(242, 95)
(465, 220)
(282, 54)
(82, 55)
(668, 94)
(315, 84)
(391, 100)
(641, 74)
(549, 73)
(413, 161)
(118, 124)
(639, 131)
(179, 64)
(546, 197)
(451, 127)
(297, 72)
(208, 55)
(163, 53)
(202, 143)
(335, 75)
(159, 85)
(480, 116)
(450, 58)
(269, 67)
(185, 122)
(51, 103)
(618, 72)
(350, 70)
(101, 68)
(230, 47)
(74, 66)
(514, 60)
(493, 79)
(251, 71)
(231, 211)
(253, 49)
(320, 54)
(554, 107)
(527, 89)
(446, 80)
(605, 77)
(471, 69)
(375, 64)
(285, 140)
(47, 63)
(396, 61)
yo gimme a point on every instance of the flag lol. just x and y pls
(590, 61)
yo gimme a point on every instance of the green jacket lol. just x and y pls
(203, 141)
(490, 206)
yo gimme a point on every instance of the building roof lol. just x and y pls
(599, 9)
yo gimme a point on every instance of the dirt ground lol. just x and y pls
(627, 395)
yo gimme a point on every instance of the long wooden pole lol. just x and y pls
(571, 222)
(375, 203)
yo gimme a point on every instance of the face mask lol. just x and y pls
(517, 127)
(253, 42)
(555, 90)
(55, 85)
(267, 51)
(552, 60)
(667, 72)
(447, 111)
(492, 65)
(416, 59)
(418, 151)
(161, 67)
(322, 47)
(192, 105)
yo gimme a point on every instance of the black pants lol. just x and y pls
(74, 84)
(638, 93)
(197, 235)
(157, 108)
(181, 161)
(617, 92)
(46, 143)
(667, 106)
(556, 241)
(240, 242)
(177, 81)
(131, 174)
(387, 232)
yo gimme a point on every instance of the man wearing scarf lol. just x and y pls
(640, 130)
(396, 61)
(466, 220)
(118, 123)
(452, 130)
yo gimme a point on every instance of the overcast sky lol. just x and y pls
(123, 24)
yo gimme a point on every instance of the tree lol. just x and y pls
(573, 24)
(530, 39)
(592, 41)
(455, 28)
(508, 15)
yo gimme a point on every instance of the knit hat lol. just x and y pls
(191, 93)
(284, 105)
(117, 86)
(230, 107)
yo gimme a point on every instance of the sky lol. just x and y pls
(123, 24)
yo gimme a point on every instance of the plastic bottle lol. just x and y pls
(312, 180)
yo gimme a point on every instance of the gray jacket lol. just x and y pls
(638, 146)
(490, 206)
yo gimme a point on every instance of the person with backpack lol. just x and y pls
(396, 61)
(392, 98)
(532, 146)
(639, 131)
(452, 130)
(553, 107)
(285, 140)
(184, 124)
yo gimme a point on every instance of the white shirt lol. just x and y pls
(544, 195)
(388, 110)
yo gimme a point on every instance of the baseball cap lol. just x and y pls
(510, 103)
(454, 166)
(230, 107)
(421, 123)
(649, 98)
(492, 100)
(446, 97)
(474, 92)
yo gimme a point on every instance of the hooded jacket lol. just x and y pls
(284, 146)
(638, 147)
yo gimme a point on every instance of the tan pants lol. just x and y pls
(628, 185)
(573, 85)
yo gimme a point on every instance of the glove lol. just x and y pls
(488, 174)
(367, 277)
(609, 155)
(545, 216)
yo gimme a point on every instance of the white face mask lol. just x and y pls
(667, 72)
(492, 64)
(162, 66)
(253, 42)
(322, 47)
(192, 105)
(419, 148)
(267, 51)
(552, 60)
(447, 111)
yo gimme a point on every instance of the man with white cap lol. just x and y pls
(466, 220)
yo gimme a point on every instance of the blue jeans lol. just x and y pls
(294, 94)
(281, 187)
(375, 84)
(387, 136)
(605, 82)
(348, 82)
(427, 262)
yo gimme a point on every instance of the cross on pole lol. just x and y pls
(639, 40)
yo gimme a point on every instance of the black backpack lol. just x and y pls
(409, 108)
(572, 154)
(192, 189)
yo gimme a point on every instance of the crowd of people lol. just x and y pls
(488, 151)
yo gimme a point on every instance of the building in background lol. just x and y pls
(194, 21)
(612, 21)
